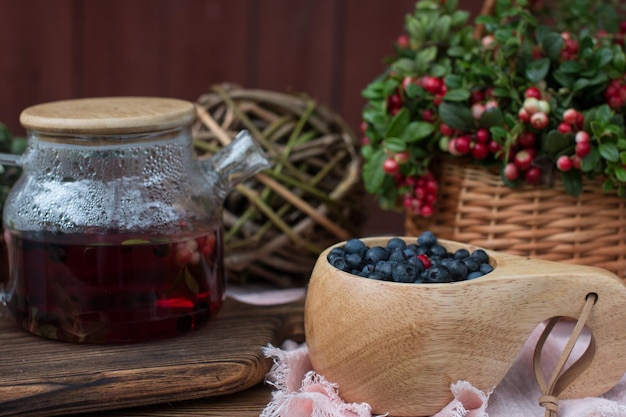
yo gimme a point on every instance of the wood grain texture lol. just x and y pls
(399, 347)
(39, 377)
(248, 403)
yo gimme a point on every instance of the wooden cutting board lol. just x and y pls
(40, 377)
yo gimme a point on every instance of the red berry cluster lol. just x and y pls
(615, 94)
(534, 113)
(569, 52)
(478, 144)
(422, 194)
(572, 123)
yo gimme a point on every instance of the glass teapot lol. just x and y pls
(114, 230)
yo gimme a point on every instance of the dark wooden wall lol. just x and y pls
(330, 49)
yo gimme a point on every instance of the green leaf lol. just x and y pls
(580, 84)
(552, 43)
(426, 55)
(459, 94)
(602, 57)
(571, 67)
(403, 67)
(456, 116)
(566, 80)
(620, 173)
(609, 152)
(492, 117)
(590, 162)
(442, 28)
(394, 145)
(416, 131)
(501, 92)
(373, 174)
(412, 90)
(555, 142)
(459, 18)
(537, 70)
(398, 123)
(572, 182)
(453, 81)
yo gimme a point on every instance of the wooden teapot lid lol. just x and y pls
(108, 115)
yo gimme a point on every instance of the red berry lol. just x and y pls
(575, 161)
(533, 175)
(523, 115)
(615, 102)
(476, 96)
(583, 149)
(446, 130)
(539, 120)
(494, 147)
(363, 126)
(425, 260)
(580, 120)
(582, 136)
(523, 160)
(426, 210)
(403, 41)
(432, 84)
(402, 157)
(570, 116)
(428, 115)
(532, 92)
(564, 128)
(531, 105)
(482, 135)
(527, 139)
(571, 45)
(511, 172)
(477, 110)
(391, 166)
(564, 163)
(462, 144)
(480, 151)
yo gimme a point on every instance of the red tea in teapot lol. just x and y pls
(115, 289)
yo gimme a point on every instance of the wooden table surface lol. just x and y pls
(216, 370)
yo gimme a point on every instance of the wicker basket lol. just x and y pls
(277, 223)
(475, 206)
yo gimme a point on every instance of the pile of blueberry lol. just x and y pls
(425, 261)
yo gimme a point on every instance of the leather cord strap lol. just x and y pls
(560, 380)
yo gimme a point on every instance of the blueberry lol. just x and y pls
(417, 262)
(481, 256)
(354, 260)
(461, 254)
(437, 274)
(375, 254)
(336, 251)
(339, 262)
(376, 276)
(474, 275)
(486, 268)
(384, 268)
(397, 255)
(438, 250)
(396, 243)
(404, 272)
(409, 252)
(458, 270)
(355, 246)
(368, 269)
(427, 239)
(472, 264)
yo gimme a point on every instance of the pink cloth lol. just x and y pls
(300, 392)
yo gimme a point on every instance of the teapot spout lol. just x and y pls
(234, 163)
